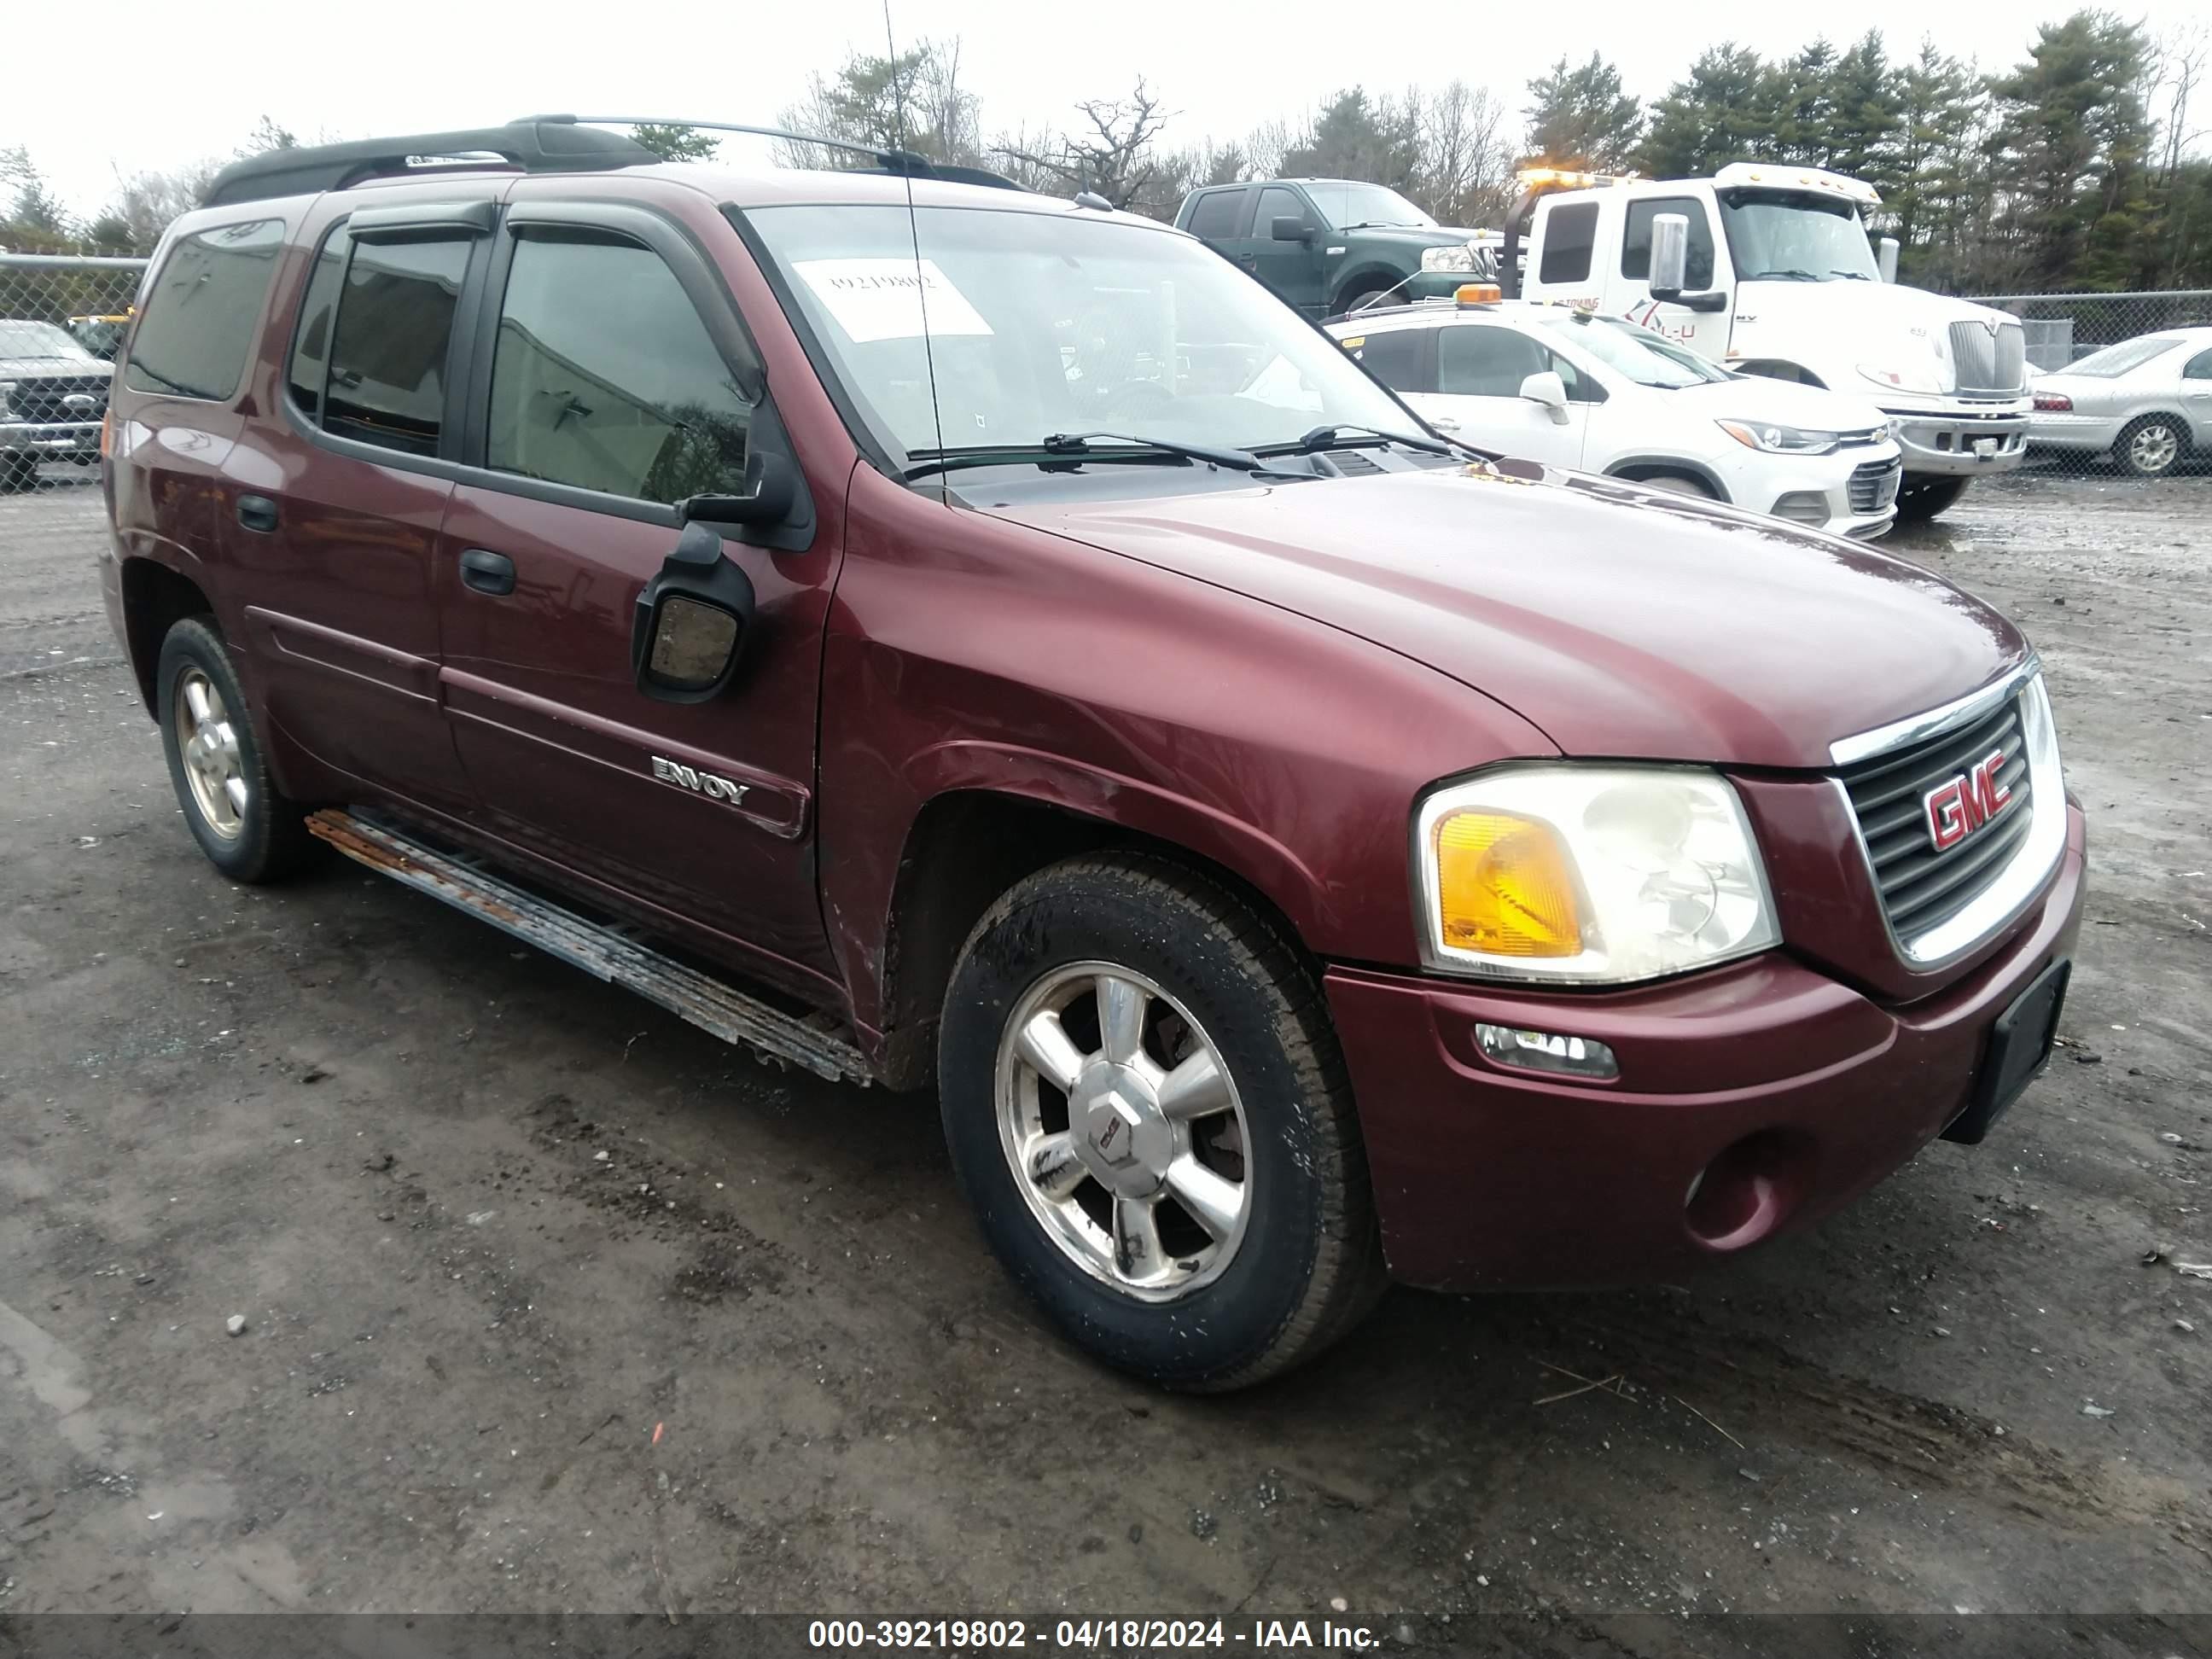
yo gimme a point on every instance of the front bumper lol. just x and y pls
(1489, 1178)
(1957, 443)
(1829, 492)
(64, 438)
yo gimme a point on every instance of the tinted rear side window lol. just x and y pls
(395, 325)
(201, 310)
(311, 347)
(1568, 235)
(605, 377)
(1395, 358)
(1215, 214)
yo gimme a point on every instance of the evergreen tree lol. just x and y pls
(1864, 112)
(2069, 146)
(1357, 136)
(1801, 96)
(1722, 112)
(1579, 117)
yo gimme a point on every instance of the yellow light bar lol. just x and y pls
(1479, 293)
(1504, 887)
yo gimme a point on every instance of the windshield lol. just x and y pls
(1804, 239)
(1644, 358)
(1344, 204)
(37, 340)
(2115, 361)
(1046, 322)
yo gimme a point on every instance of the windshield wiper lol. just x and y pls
(1068, 448)
(1326, 437)
(1383, 224)
(1079, 443)
(1852, 276)
(1793, 276)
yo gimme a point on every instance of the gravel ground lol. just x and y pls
(551, 1302)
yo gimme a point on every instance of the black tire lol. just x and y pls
(1680, 484)
(269, 840)
(1351, 302)
(1309, 1265)
(1923, 495)
(2159, 457)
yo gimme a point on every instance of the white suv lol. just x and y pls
(1565, 386)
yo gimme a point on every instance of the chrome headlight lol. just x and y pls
(1458, 256)
(1779, 439)
(1590, 875)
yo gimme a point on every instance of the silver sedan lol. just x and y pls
(2147, 400)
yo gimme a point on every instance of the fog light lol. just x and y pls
(1546, 1051)
(1803, 507)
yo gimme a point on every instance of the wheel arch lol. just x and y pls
(2185, 429)
(1364, 277)
(156, 597)
(970, 841)
(1634, 469)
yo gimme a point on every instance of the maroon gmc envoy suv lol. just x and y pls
(937, 634)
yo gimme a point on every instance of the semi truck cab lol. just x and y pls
(1781, 278)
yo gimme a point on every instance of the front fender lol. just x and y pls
(1094, 791)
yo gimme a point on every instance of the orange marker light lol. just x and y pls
(1479, 293)
(1504, 887)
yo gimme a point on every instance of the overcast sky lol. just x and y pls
(137, 85)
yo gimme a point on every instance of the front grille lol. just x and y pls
(1990, 365)
(1920, 887)
(39, 398)
(1874, 485)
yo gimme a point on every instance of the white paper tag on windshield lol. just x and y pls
(882, 298)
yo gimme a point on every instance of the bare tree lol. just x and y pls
(913, 101)
(1111, 153)
(1464, 176)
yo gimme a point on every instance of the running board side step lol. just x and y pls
(599, 950)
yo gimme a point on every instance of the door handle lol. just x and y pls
(487, 573)
(257, 512)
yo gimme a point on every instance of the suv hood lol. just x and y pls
(1623, 622)
(1834, 327)
(1760, 397)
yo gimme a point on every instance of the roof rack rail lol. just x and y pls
(903, 163)
(549, 145)
(535, 144)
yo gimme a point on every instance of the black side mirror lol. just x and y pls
(1289, 227)
(771, 486)
(691, 621)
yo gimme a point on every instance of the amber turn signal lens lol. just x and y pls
(1504, 888)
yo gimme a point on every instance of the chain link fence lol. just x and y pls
(2122, 387)
(62, 317)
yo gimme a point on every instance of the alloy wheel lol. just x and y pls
(214, 768)
(2154, 447)
(1124, 1130)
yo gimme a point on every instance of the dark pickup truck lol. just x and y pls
(1296, 853)
(1329, 245)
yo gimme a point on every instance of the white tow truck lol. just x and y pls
(1772, 272)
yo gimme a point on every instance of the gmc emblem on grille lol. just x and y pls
(1957, 808)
